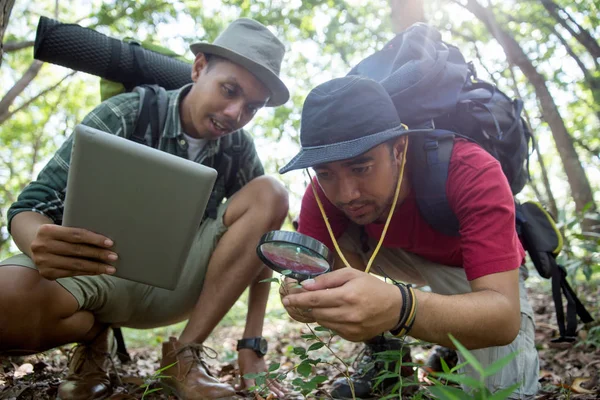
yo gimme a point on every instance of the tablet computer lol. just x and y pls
(150, 203)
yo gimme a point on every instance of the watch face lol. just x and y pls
(263, 346)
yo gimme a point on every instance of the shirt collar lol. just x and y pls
(173, 127)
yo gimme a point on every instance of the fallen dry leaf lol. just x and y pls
(24, 369)
(579, 385)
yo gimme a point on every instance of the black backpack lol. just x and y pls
(435, 89)
(543, 241)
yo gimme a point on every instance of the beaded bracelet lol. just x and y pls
(407, 312)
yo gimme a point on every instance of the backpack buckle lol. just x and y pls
(431, 145)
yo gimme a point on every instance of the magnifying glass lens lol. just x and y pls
(295, 258)
(295, 255)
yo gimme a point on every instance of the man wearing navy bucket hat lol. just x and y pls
(363, 200)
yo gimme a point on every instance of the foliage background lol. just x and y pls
(558, 41)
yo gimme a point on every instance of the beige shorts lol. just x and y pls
(125, 303)
(410, 268)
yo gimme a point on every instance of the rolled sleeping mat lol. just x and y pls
(84, 49)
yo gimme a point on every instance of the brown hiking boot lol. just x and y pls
(188, 376)
(88, 371)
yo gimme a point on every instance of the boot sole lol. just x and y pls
(170, 390)
(97, 398)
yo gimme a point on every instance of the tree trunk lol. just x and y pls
(550, 200)
(583, 36)
(576, 176)
(5, 9)
(406, 13)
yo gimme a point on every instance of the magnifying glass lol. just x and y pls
(304, 256)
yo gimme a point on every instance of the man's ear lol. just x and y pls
(398, 146)
(200, 63)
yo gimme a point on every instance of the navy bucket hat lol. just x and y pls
(343, 118)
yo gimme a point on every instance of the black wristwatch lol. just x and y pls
(258, 344)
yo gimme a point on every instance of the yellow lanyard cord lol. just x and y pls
(387, 222)
(337, 248)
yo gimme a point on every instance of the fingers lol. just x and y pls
(319, 299)
(74, 235)
(290, 286)
(78, 250)
(276, 388)
(304, 316)
(55, 266)
(60, 252)
(332, 279)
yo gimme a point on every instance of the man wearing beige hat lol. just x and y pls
(61, 289)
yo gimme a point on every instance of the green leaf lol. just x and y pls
(319, 379)
(309, 336)
(297, 382)
(304, 369)
(316, 346)
(499, 364)
(459, 366)
(469, 357)
(285, 272)
(270, 280)
(504, 393)
(300, 351)
(322, 329)
(158, 371)
(445, 366)
(254, 375)
(448, 393)
(460, 378)
(273, 367)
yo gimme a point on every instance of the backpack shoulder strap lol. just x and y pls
(152, 114)
(235, 152)
(430, 157)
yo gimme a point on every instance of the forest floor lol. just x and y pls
(567, 370)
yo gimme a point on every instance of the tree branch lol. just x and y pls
(6, 7)
(4, 117)
(583, 36)
(595, 152)
(18, 88)
(14, 46)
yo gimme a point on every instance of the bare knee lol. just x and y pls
(28, 304)
(272, 197)
(264, 196)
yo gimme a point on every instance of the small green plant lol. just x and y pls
(592, 339)
(396, 357)
(152, 379)
(478, 390)
(304, 383)
(320, 337)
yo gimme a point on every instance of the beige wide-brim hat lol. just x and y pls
(250, 44)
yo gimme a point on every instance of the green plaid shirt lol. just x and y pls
(118, 116)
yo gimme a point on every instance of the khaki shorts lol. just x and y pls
(125, 303)
(410, 268)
